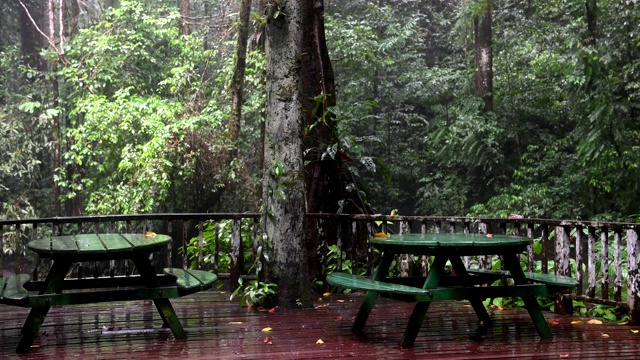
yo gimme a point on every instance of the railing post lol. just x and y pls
(531, 259)
(591, 261)
(564, 305)
(604, 261)
(633, 263)
(617, 265)
(236, 254)
(545, 249)
(579, 260)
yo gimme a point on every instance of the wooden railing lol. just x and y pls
(603, 256)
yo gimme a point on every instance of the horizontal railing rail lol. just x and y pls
(603, 256)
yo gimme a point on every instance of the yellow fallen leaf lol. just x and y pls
(623, 323)
(327, 294)
(235, 323)
(594, 322)
(605, 335)
(267, 329)
(380, 234)
(634, 331)
(577, 322)
(340, 301)
(150, 234)
(319, 341)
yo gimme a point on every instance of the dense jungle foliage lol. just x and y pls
(120, 110)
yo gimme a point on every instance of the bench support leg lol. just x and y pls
(370, 299)
(478, 306)
(530, 303)
(167, 313)
(31, 328)
(420, 309)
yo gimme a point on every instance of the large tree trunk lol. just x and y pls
(484, 57)
(283, 181)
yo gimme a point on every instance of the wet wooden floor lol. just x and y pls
(220, 329)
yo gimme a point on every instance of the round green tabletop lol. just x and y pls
(458, 243)
(96, 244)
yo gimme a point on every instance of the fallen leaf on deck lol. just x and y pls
(563, 356)
(319, 341)
(267, 340)
(327, 294)
(634, 331)
(321, 307)
(380, 234)
(267, 329)
(594, 322)
(150, 234)
(577, 322)
(552, 322)
(338, 317)
(235, 323)
(500, 308)
(623, 323)
(605, 335)
(340, 301)
(272, 310)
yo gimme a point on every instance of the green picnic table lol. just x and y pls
(18, 290)
(466, 284)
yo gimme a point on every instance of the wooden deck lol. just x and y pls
(220, 329)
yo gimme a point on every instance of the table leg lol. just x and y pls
(167, 313)
(370, 298)
(463, 275)
(420, 309)
(53, 285)
(512, 264)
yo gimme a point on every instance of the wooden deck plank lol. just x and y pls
(218, 328)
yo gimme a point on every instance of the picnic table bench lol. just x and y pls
(464, 285)
(19, 290)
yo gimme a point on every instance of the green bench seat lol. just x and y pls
(12, 288)
(413, 293)
(554, 283)
(358, 282)
(19, 290)
(192, 280)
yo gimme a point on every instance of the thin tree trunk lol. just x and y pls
(237, 82)
(283, 180)
(484, 57)
(185, 13)
(56, 96)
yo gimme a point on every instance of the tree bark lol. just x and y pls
(237, 82)
(323, 168)
(185, 12)
(484, 57)
(283, 180)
